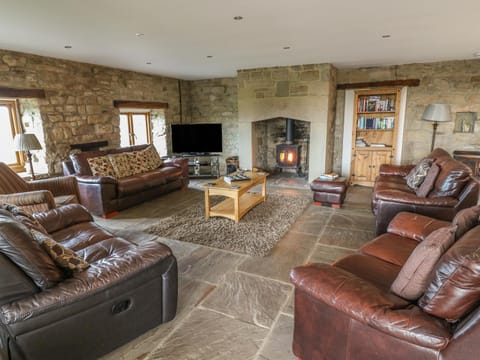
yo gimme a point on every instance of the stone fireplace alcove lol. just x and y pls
(268, 135)
(305, 92)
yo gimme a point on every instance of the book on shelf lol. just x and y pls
(376, 104)
(378, 145)
(328, 176)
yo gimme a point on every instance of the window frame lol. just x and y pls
(16, 128)
(131, 126)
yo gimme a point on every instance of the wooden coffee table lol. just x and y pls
(239, 201)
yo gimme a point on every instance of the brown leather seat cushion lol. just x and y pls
(131, 185)
(392, 248)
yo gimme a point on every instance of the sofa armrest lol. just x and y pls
(403, 197)
(414, 226)
(31, 201)
(58, 186)
(370, 305)
(63, 217)
(178, 162)
(87, 179)
(399, 170)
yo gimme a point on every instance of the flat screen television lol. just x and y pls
(196, 138)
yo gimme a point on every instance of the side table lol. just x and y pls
(329, 191)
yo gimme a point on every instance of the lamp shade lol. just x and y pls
(26, 142)
(437, 112)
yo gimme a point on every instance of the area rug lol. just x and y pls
(256, 233)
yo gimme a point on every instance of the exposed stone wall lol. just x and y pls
(215, 101)
(79, 99)
(302, 92)
(454, 82)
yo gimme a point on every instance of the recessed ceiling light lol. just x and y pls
(286, 48)
(148, 63)
(386, 36)
(209, 56)
(68, 46)
(238, 18)
(139, 34)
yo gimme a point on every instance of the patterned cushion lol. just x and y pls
(121, 164)
(101, 166)
(152, 158)
(416, 176)
(139, 162)
(62, 256)
(429, 182)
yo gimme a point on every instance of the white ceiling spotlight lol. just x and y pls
(238, 18)
(139, 34)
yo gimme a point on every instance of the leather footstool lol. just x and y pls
(329, 191)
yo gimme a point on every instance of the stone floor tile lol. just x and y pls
(328, 254)
(290, 305)
(209, 264)
(278, 345)
(249, 298)
(347, 238)
(292, 250)
(206, 335)
(190, 293)
(347, 220)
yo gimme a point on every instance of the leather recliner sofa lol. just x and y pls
(347, 311)
(454, 189)
(104, 195)
(47, 313)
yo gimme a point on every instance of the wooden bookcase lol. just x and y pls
(375, 127)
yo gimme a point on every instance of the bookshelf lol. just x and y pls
(374, 133)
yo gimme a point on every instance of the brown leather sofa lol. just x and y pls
(347, 311)
(454, 189)
(104, 195)
(126, 290)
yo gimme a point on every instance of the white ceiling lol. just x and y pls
(180, 34)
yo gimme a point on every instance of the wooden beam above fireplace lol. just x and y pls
(376, 84)
(139, 104)
(22, 93)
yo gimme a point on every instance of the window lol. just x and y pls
(135, 129)
(9, 127)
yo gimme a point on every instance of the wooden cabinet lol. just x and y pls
(374, 133)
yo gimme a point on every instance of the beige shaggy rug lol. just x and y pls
(256, 233)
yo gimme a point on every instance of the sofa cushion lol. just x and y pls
(121, 165)
(139, 162)
(17, 243)
(63, 257)
(416, 176)
(452, 177)
(101, 166)
(170, 173)
(153, 160)
(392, 248)
(412, 278)
(455, 288)
(130, 186)
(25, 218)
(465, 220)
(429, 181)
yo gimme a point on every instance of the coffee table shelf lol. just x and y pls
(239, 201)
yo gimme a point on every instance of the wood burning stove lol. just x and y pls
(288, 154)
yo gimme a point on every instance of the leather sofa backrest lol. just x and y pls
(452, 177)
(438, 153)
(80, 163)
(14, 284)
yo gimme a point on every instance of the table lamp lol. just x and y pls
(27, 142)
(437, 113)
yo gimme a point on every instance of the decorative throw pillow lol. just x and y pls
(25, 218)
(138, 162)
(412, 279)
(121, 164)
(416, 176)
(465, 220)
(429, 181)
(152, 158)
(62, 256)
(101, 166)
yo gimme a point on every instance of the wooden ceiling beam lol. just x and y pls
(8, 92)
(376, 84)
(139, 104)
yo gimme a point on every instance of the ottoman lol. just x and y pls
(329, 191)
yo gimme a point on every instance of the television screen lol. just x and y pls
(197, 138)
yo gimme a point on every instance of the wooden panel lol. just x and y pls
(139, 104)
(22, 93)
(373, 84)
(361, 166)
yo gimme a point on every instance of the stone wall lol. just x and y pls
(78, 106)
(302, 92)
(215, 101)
(454, 82)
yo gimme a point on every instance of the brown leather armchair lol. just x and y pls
(346, 311)
(454, 189)
(37, 195)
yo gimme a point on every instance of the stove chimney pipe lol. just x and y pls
(290, 131)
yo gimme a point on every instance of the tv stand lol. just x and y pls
(203, 165)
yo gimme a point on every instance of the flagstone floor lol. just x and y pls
(234, 306)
